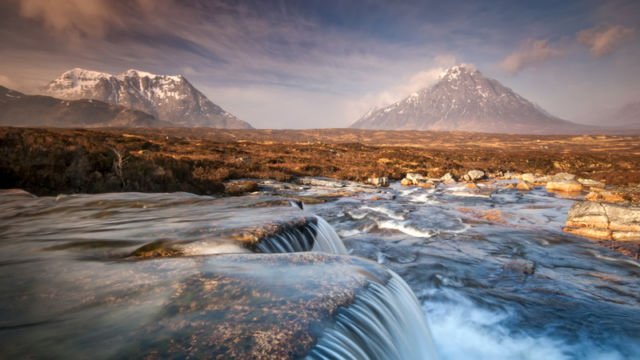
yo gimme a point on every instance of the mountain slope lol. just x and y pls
(465, 100)
(168, 98)
(18, 109)
(627, 117)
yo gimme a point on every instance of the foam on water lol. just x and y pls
(464, 330)
(406, 228)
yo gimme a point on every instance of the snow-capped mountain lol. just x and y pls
(465, 100)
(18, 109)
(169, 98)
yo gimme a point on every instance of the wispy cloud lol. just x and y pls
(73, 18)
(603, 40)
(532, 52)
(402, 88)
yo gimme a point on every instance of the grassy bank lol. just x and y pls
(52, 161)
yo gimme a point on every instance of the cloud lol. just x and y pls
(530, 53)
(87, 18)
(603, 40)
(7, 82)
(417, 81)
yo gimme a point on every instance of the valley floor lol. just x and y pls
(52, 161)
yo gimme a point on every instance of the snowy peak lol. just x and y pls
(169, 98)
(133, 73)
(456, 72)
(464, 99)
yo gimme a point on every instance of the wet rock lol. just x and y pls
(524, 186)
(524, 266)
(426, 185)
(604, 221)
(448, 179)
(567, 186)
(240, 187)
(406, 182)
(257, 307)
(606, 196)
(474, 175)
(563, 176)
(322, 182)
(415, 178)
(379, 181)
(591, 183)
(529, 177)
(510, 175)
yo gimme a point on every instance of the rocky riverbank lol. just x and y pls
(608, 214)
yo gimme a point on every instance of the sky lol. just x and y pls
(318, 64)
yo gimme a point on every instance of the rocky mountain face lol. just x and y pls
(18, 109)
(169, 98)
(465, 100)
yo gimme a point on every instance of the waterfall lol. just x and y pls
(315, 235)
(383, 322)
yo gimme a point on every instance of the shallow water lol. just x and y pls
(467, 254)
(463, 255)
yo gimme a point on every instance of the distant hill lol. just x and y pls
(465, 100)
(169, 98)
(627, 117)
(18, 109)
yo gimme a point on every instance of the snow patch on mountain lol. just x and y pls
(170, 98)
(464, 99)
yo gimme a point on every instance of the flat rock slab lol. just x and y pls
(604, 221)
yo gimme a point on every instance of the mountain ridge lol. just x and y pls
(19, 109)
(465, 100)
(170, 98)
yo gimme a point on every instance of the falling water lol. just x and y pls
(315, 235)
(384, 322)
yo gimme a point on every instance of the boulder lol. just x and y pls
(474, 175)
(239, 187)
(379, 181)
(604, 221)
(406, 182)
(563, 176)
(591, 183)
(524, 186)
(448, 179)
(415, 178)
(606, 196)
(528, 177)
(568, 186)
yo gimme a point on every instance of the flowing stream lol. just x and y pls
(492, 273)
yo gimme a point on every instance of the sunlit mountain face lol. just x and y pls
(464, 100)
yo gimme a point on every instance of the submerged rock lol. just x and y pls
(524, 266)
(286, 307)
